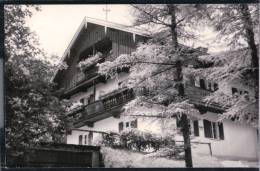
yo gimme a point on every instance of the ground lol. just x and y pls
(114, 158)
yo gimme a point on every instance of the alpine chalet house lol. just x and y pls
(97, 101)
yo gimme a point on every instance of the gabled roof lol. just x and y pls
(106, 24)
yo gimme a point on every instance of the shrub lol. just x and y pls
(137, 140)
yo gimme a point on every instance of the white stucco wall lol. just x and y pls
(111, 124)
(240, 141)
(110, 85)
(76, 97)
(226, 87)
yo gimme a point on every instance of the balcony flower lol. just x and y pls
(90, 61)
(74, 106)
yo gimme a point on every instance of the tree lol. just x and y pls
(170, 56)
(177, 18)
(154, 63)
(238, 25)
(33, 113)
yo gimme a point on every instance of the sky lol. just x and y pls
(55, 25)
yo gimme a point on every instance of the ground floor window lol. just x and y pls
(131, 124)
(120, 126)
(90, 138)
(80, 139)
(196, 128)
(213, 130)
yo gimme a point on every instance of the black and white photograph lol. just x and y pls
(131, 85)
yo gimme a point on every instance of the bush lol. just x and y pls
(137, 140)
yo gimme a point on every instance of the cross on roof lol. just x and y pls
(106, 10)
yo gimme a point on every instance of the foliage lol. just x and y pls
(63, 66)
(90, 61)
(159, 16)
(231, 69)
(138, 140)
(33, 113)
(227, 21)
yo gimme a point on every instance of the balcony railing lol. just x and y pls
(196, 95)
(107, 102)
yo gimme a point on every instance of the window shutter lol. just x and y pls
(86, 137)
(178, 122)
(196, 128)
(120, 126)
(207, 129)
(80, 139)
(202, 84)
(90, 138)
(221, 131)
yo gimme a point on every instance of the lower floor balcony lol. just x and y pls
(108, 105)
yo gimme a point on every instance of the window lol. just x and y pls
(234, 90)
(215, 87)
(86, 139)
(202, 84)
(178, 122)
(91, 99)
(127, 124)
(120, 126)
(134, 124)
(90, 138)
(213, 130)
(82, 101)
(80, 139)
(119, 84)
(196, 128)
(209, 86)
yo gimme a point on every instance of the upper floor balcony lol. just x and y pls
(197, 95)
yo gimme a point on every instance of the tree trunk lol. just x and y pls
(171, 9)
(180, 87)
(186, 137)
(249, 34)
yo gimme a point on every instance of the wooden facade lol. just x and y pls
(94, 39)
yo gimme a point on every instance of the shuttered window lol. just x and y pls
(80, 139)
(213, 130)
(178, 122)
(120, 126)
(134, 124)
(196, 128)
(234, 90)
(221, 131)
(90, 138)
(202, 84)
(207, 129)
(85, 139)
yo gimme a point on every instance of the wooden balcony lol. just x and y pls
(196, 95)
(109, 105)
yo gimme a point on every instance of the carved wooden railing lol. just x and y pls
(117, 98)
(109, 101)
(196, 95)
